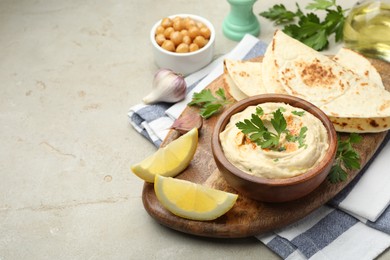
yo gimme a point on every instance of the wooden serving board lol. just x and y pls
(249, 217)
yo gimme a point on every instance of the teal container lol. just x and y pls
(241, 20)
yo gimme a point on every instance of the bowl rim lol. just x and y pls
(175, 54)
(283, 98)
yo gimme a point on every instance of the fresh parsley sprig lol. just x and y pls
(346, 158)
(308, 28)
(298, 113)
(280, 15)
(256, 131)
(298, 138)
(208, 103)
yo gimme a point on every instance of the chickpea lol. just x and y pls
(187, 40)
(168, 45)
(178, 25)
(176, 18)
(160, 38)
(160, 29)
(194, 47)
(168, 31)
(182, 48)
(188, 23)
(184, 32)
(205, 32)
(200, 24)
(200, 41)
(176, 37)
(186, 19)
(193, 32)
(166, 22)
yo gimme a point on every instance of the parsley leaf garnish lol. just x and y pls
(346, 158)
(208, 103)
(302, 136)
(279, 122)
(256, 131)
(298, 113)
(253, 128)
(259, 111)
(298, 138)
(308, 28)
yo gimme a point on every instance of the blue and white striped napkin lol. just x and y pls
(354, 225)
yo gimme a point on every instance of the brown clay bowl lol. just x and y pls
(273, 190)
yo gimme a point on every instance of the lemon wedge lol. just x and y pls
(191, 200)
(169, 160)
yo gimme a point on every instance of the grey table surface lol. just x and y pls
(69, 72)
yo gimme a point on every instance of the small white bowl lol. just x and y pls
(184, 63)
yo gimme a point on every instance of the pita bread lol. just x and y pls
(271, 81)
(363, 67)
(360, 125)
(300, 71)
(346, 87)
(358, 64)
(338, 91)
(231, 86)
(246, 75)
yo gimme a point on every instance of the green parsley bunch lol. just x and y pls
(308, 28)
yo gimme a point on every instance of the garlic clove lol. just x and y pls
(188, 121)
(168, 86)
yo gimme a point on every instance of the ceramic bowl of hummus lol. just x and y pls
(274, 148)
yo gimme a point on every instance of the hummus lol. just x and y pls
(289, 158)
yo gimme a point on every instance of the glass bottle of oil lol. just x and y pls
(367, 29)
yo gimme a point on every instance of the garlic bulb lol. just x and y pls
(167, 87)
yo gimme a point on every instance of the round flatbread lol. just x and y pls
(231, 87)
(359, 65)
(351, 94)
(292, 67)
(246, 75)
